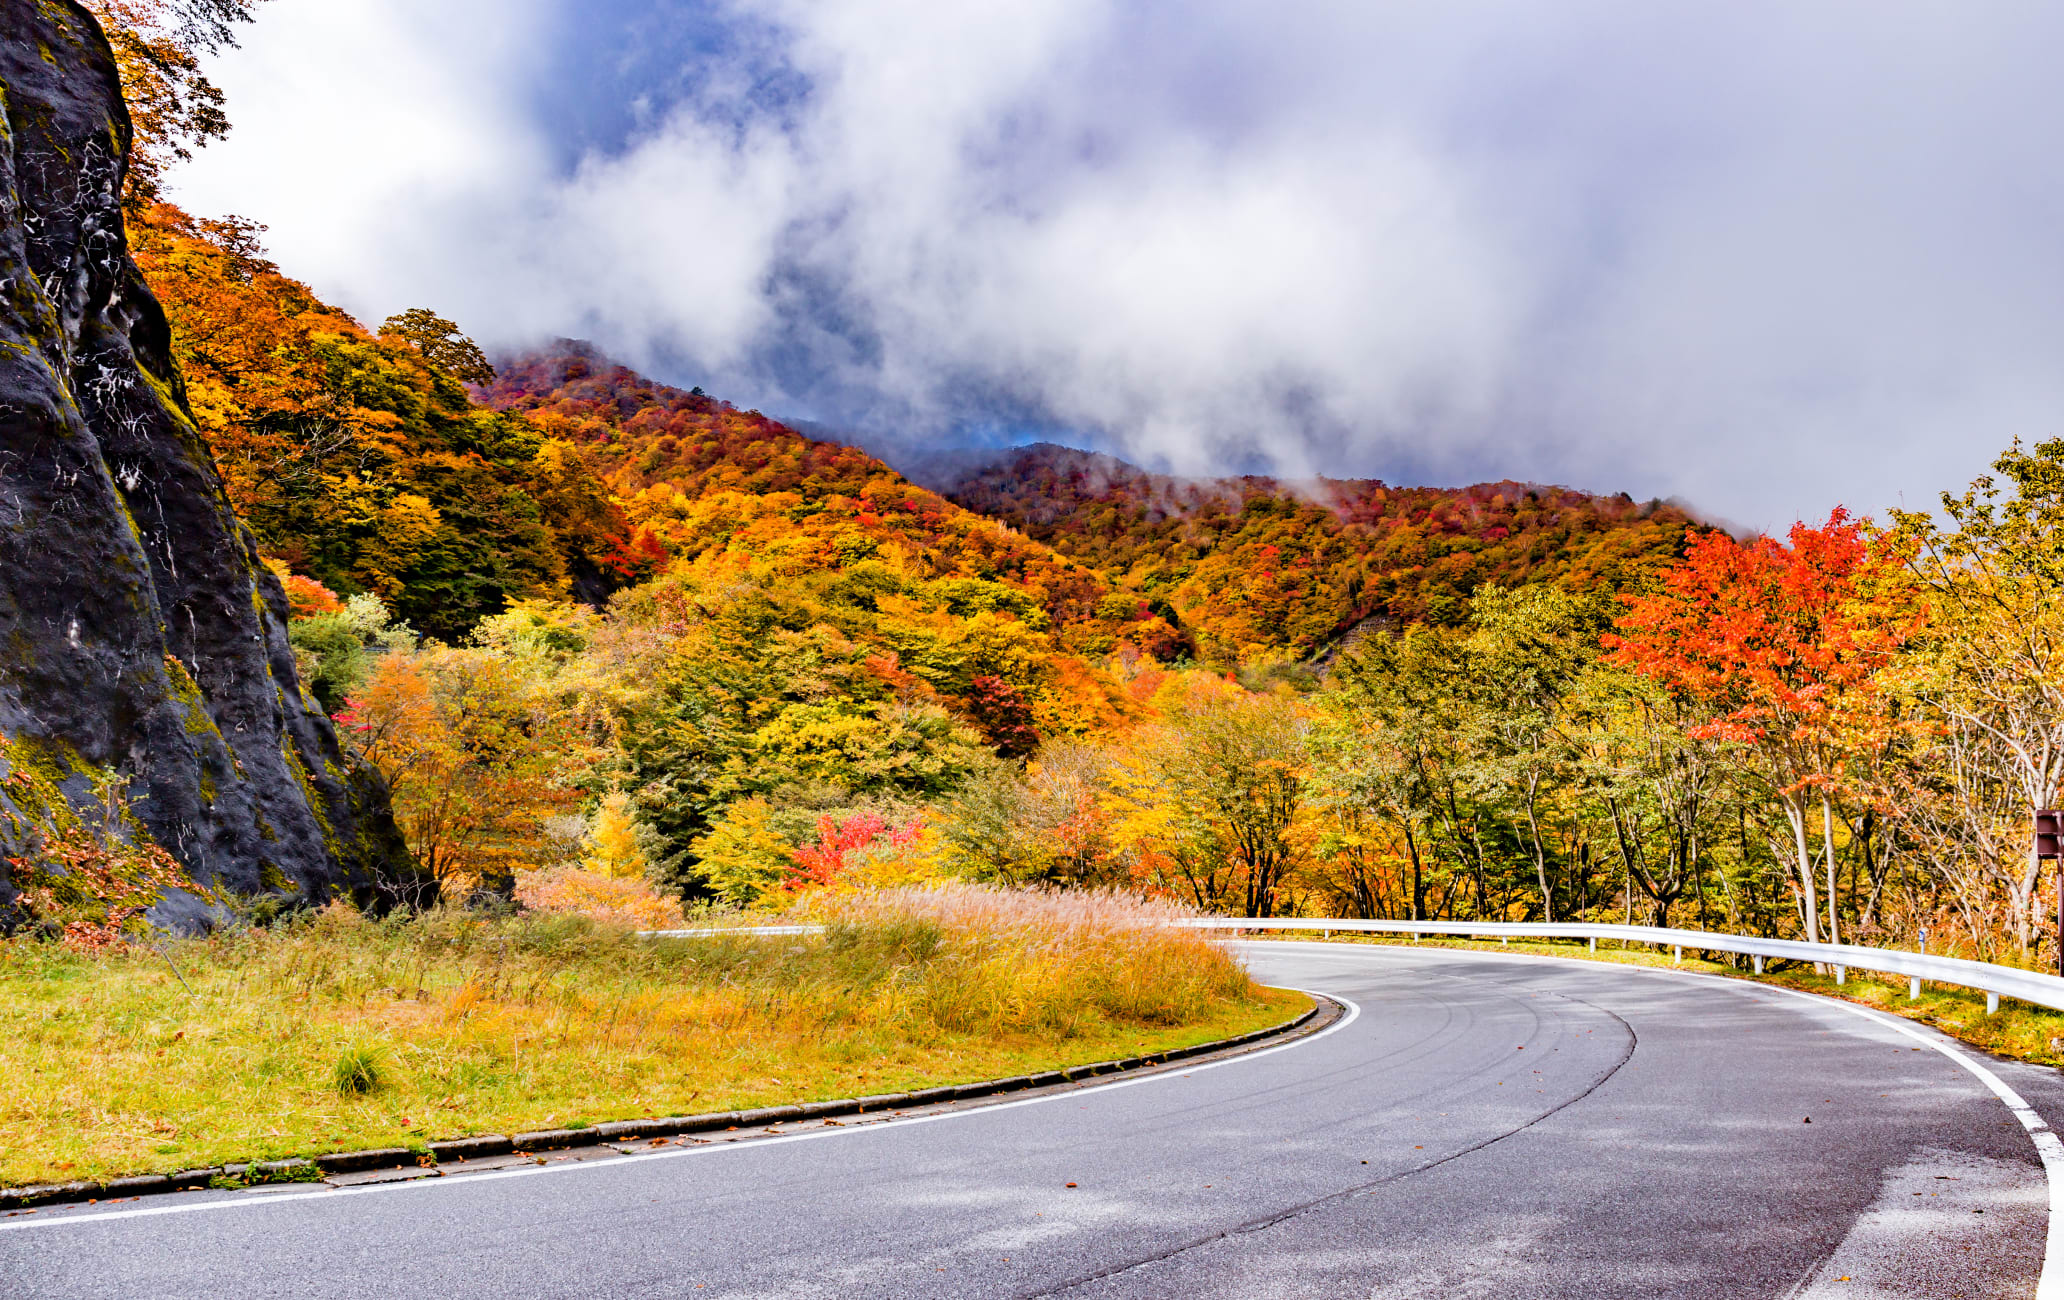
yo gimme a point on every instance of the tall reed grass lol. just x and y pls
(1040, 961)
(335, 1031)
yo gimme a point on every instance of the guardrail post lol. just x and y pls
(1992, 1004)
(1505, 940)
(1913, 987)
(1758, 959)
(1841, 974)
(1680, 954)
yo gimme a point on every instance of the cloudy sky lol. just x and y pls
(1762, 256)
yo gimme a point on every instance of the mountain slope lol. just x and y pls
(700, 475)
(1232, 568)
(641, 432)
(1251, 564)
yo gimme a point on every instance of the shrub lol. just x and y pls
(359, 1070)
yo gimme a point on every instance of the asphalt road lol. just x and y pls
(1481, 1125)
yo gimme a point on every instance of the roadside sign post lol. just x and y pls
(2049, 843)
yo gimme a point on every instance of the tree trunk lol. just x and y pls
(1540, 855)
(1626, 854)
(1418, 878)
(1827, 845)
(1809, 905)
(2024, 899)
(1483, 888)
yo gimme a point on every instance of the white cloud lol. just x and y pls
(357, 122)
(1764, 256)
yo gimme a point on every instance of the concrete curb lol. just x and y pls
(301, 1169)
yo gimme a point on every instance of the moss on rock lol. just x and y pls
(147, 650)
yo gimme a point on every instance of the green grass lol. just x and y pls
(335, 1032)
(2019, 1031)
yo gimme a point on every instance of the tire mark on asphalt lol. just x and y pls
(1265, 1222)
(2049, 1147)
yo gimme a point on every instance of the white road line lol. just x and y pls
(2051, 1284)
(470, 1180)
(2047, 1144)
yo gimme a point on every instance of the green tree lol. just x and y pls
(1528, 650)
(441, 344)
(1040, 822)
(1409, 695)
(336, 652)
(1990, 677)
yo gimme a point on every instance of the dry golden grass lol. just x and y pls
(618, 900)
(336, 1032)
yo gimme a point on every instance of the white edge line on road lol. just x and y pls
(2050, 1286)
(259, 1200)
(2047, 1144)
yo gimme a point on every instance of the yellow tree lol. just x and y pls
(743, 858)
(1989, 678)
(472, 752)
(613, 848)
(1214, 791)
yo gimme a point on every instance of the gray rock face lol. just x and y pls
(139, 633)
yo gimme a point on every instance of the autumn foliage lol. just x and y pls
(473, 760)
(1245, 566)
(1773, 634)
(1780, 647)
(623, 647)
(356, 458)
(675, 653)
(173, 107)
(825, 860)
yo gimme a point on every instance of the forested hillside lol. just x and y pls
(1225, 569)
(604, 635)
(620, 646)
(694, 473)
(356, 460)
(1252, 565)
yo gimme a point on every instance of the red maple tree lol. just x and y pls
(1781, 644)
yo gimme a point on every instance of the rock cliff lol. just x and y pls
(144, 661)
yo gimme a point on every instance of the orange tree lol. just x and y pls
(473, 755)
(173, 107)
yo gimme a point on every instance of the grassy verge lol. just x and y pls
(335, 1032)
(2033, 1034)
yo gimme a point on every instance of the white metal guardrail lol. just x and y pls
(1995, 982)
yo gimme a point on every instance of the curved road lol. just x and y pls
(1482, 1125)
